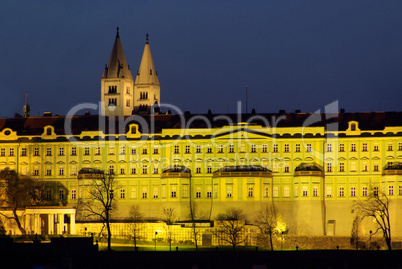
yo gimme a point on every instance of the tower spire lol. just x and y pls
(27, 109)
(117, 32)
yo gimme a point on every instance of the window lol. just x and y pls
(61, 151)
(133, 171)
(36, 171)
(329, 147)
(74, 151)
(286, 147)
(352, 191)
(198, 192)
(24, 152)
(390, 164)
(144, 193)
(353, 147)
(329, 167)
(61, 194)
(156, 150)
(156, 170)
(144, 169)
(390, 190)
(305, 191)
(266, 191)
(122, 150)
(86, 151)
(97, 151)
(228, 191)
(364, 147)
(111, 194)
(48, 194)
(48, 151)
(220, 150)
(209, 169)
(112, 101)
(285, 191)
(122, 194)
(61, 171)
(11, 152)
(133, 129)
(111, 150)
(364, 192)
(253, 149)
(400, 189)
(133, 193)
(73, 194)
(133, 151)
(353, 167)
(308, 147)
(128, 90)
(144, 150)
(198, 149)
(297, 147)
(286, 168)
(275, 148)
(264, 148)
(275, 192)
(315, 191)
(341, 167)
(111, 169)
(144, 95)
(156, 192)
(376, 147)
(329, 191)
(341, 192)
(112, 89)
(231, 148)
(187, 149)
(209, 192)
(209, 149)
(341, 147)
(122, 172)
(198, 170)
(3, 152)
(250, 193)
(353, 127)
(176, 149)
(375, 167)
(48, 171)
(376, 190)
(390, 146)
(128, 101)
(185, 192)
(400, 146)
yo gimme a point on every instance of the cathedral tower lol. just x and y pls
(117, 84)
(146, 86)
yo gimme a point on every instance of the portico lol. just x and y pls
(50, 220)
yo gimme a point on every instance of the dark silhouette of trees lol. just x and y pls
(377, 207)
(102, 202)
(169, 217)
(230, 227)
(136, 226)
(17, 192)
(267, 222)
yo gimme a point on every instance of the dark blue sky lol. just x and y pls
(293, 54)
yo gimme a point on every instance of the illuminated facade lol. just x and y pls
(310, 171)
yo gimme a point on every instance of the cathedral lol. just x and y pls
(311, 167)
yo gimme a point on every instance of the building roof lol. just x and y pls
(146, 73)
(117, 66)
(35, 125)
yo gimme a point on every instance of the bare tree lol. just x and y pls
(231, 226)
(102, 202)
(354, 239)
(18, 192)
(377, 207)
(136, 226)
(169, 217)
(194, 215)
(267, 222)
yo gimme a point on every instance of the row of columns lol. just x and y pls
(33, 223)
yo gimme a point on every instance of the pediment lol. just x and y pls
(86, 162)
(73, 162)
(61, 162)
(97, 161)
(122, 161)
(308, 159)
(298, 159)
(239, 133)
(389, 157)
(353, 159)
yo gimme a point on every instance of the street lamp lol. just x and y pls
(156, 233)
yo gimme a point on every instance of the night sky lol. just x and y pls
(291, 54)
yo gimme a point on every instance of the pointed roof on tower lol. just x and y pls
(117, 66)
(147, 73)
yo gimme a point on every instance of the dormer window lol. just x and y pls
(133, 129)
(353, 127)
(48, 131)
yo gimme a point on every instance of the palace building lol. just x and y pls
(312, 167)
